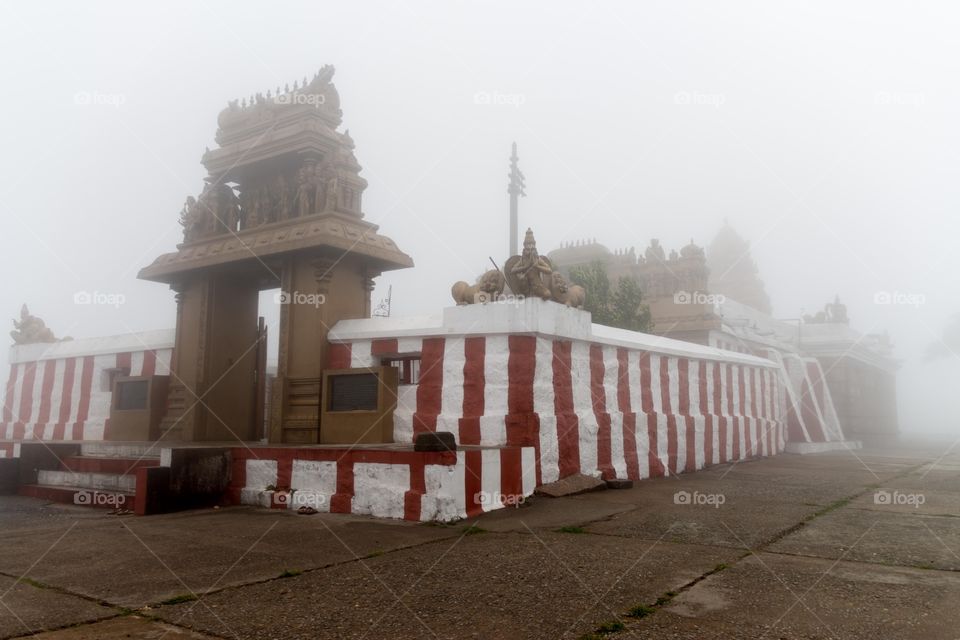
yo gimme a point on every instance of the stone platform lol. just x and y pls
(385, 480)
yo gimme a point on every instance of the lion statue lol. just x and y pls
(490, 284)
(572, 295)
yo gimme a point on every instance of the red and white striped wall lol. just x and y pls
(61, 391)
(385, 483)
(613, 403)
(808, 406)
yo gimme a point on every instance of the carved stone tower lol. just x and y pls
(281, 207)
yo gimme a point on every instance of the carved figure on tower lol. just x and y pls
(529, 273)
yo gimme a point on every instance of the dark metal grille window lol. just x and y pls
(354, 392)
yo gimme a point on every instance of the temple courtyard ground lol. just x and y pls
(823, 546)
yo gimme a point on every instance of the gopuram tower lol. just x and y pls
(281, 207)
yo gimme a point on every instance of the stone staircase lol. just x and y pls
(103, 475)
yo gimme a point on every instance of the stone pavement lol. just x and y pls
(842, 545)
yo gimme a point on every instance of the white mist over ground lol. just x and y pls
(827, 135)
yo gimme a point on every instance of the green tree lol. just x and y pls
(621, 306)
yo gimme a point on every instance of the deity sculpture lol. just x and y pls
(192, 220)
(305, 191)
(330, 182)
(30, 329)
(654, 251)
(529, 273)
(283, 198)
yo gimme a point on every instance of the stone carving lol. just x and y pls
(572, 295)
(655, 252)
(282, 192)
(219, 203)
(192, 220)
(31, 329)
(833, 312)
(529, 273)
(490, 283)
(306, 190)
(330, 182)
(293, 182)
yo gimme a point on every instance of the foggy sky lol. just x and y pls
(826, 133)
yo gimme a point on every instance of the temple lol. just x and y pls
(434, 417)
(716, 298)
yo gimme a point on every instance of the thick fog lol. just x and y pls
(827, 134)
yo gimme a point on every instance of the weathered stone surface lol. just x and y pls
(571, 486)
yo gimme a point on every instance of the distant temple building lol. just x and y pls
(716, 298)
(733, 273)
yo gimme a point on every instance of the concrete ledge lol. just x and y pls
(804, 448)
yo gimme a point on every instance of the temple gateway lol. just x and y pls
(437, 417)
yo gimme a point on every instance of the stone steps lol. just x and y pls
(86, 480)
(103, 475)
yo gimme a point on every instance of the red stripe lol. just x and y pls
(86, 383)
(705, 412)
(125, 362)
(568, 426)
(340, 355)
(66, 398)
(810, 418)
(342, 500)
(671, 418)
(388, 346)
(474, 383)
(511, 473)
(46, 398)
(718, 409)
(26, 392)
(783, 421)
(413, 498)
(629, 417)
(744, 411)
(430, 387)
(646, 385)
(766, 391)
(598, 398)
(653, 457)
(238, 478)
(729, 390)
(8, 399)
(149, 363)
(683, 374)
(665, 385)
(755, 431)
(473, 485)
(520, 370)
(734, 419)
(690, 431)
(284, 476)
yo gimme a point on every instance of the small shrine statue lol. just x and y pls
(191, 219)
(30, 329)
(529, 274)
